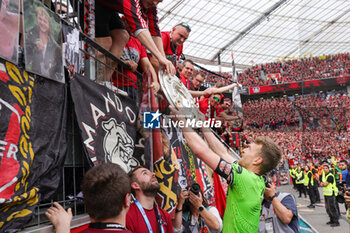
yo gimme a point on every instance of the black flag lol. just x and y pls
(107, 123)
(32, 143)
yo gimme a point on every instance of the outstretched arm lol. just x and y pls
(217, 146)
(207, 91)
(147, 67)
(146, 40)
(199, 147)
(225, 88)
(214, 143)
(159, 43)
(197, 93)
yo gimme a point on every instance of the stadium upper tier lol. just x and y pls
(328, 110)
(296, 70)
(308, 125)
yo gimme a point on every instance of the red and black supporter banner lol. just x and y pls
(189, 171)
(33, 143)
(207, 186)
(299, 85)
(107, 123)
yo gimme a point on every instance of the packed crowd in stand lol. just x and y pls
(282, 72)
(296, 70)
(212, 79)
(273, 113)
(317, 109)
(307, 144)
(317, 126)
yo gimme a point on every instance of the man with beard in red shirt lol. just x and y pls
(144, 214)
(224, 109)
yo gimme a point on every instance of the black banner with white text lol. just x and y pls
(107, 122)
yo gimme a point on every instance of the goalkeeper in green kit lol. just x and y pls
(244, 177)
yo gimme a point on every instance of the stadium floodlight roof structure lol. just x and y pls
(259, 31)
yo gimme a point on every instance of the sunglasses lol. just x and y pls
(216, 98)
(185, 25)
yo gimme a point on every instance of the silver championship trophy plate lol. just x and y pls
(177, 94)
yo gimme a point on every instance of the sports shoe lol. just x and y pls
(330, 222)
(311, 206)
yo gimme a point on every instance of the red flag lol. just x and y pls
(219, 194)
(156, 134)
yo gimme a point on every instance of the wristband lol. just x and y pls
(177, 211)
(201, 208)
(272, 197)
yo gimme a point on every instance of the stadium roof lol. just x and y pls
(259, 31)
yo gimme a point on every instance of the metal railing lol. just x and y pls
(71, 13)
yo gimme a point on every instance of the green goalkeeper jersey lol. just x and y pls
(243, 203)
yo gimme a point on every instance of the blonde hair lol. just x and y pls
(42, 9)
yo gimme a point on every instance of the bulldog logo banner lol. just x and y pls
(107, 123)
(32, 143)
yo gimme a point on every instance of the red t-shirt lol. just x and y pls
(93, 230)
(137, 16)
(136, 223)
(168, 49)
(204, 106)
(133, 51)
(185, 81)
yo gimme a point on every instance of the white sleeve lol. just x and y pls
(179, 230)
(215, 212)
